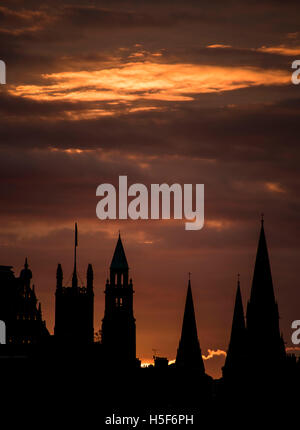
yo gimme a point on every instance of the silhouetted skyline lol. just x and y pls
(162, 92)
(74, 318)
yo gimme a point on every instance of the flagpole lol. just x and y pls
(75, 246)
(74, 278)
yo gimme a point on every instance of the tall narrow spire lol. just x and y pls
(236, 353)
(238, 322)
(262, 284)
(74, 277)
(189, 352)
(262, 310)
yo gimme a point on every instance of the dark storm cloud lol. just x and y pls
(19, 107)
(260, 132)
(231, 22)
(98, 17)
(16, 22)
(231, 56)
(55, 36)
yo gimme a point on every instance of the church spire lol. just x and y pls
(189, 352)
(74, 277)
(262, 309)
(262, 285)
(238, 322)
(236, 351)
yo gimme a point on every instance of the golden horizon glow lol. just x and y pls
(211, 354)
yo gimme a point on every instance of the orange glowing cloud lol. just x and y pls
(293, 349)
(218, 224)
(29, 21)
(212, 353)
(218, 45)
(146, 80)
(281, 50)
(274, 187)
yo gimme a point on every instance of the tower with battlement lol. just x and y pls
(74, 306)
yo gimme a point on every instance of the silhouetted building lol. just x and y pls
(160, 362)
(19, 308)
(189, 353)
(237, 353)
(258, 346)
(74, 306)
(118, 324)
(266, 346)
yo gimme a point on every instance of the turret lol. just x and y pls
(74, 306)
(119, 267)
(118, 324)
(26, 274)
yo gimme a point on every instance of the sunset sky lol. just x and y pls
(161, 91)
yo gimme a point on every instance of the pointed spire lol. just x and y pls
(189, 352)
(262, 284)
(262, 311)
(238, 322)
(74, 277)
(26, 263)
(236, 349)
(119, 261)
